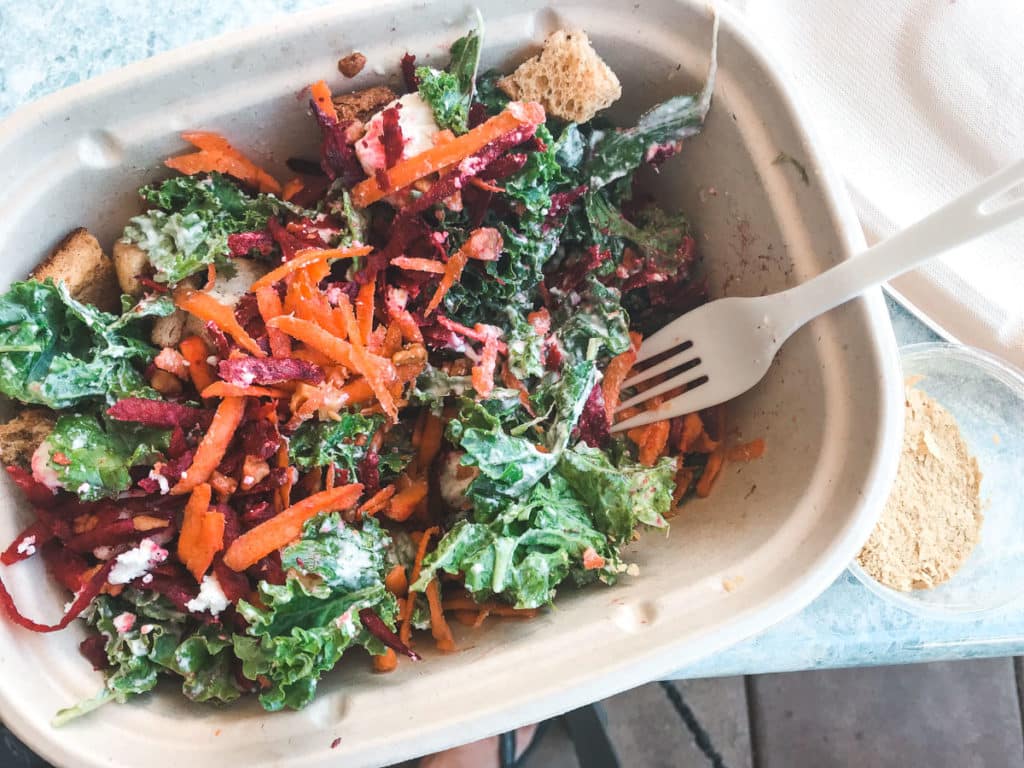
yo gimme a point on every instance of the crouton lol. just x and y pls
(170, 330)
(20, 436)
(352, 65)
(361, 105)
(130, 261)
(80, 263)
(568, 78)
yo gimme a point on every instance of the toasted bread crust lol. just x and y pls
(568, 78)
(361, 105)
(79, 262)
(130, 261)
(20, 436)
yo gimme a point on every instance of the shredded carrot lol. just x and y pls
(684, 479)
(329, 477)
(216, 154)
(693, 427)
(430, 441)
(356, 392)
(654, 441)
(516, 116)
(224, 389)
(403, 503)
(405, 632)
(418, 265)
(214, 444)
(364, 308)
(711, 471)
(483, 371)
(292, 187)
(465, 603)
(280, 530)
(376, 370)
(195, 351)
(591, 560)
(396, 582)
(192, 523)
(752, 450)
(616, 373)
(509, 380)
(438, 626)
(481, 617)
(321, 94)
(385, 662)
(486, 186)
(207, 308)
(406, 323)
(305, 258)
(378, 501)
(338, 350)
(269, 303)
(392, 340)
(704, 443)
(211, 541)
(452, 272)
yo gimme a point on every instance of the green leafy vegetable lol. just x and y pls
(596, 327)
(190, 221)
(98, 457)
(320, 443)
(523, 552)
(615, 154)
(661, 237)
(305, 625)
(450, 93)
(619, 495)
(155, 645)
(525, 347)
(58, 352)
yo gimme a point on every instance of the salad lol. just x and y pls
(350, 410)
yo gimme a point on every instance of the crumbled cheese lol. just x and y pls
(27, 546)
(136, 562)
(147, 579)
(145, 629)
(415, 118)
(42, 472)
(210, 598)
(632, 569)
(83, 488)
(165, 486)
(103, 552)
(211, 360)
(124, 622)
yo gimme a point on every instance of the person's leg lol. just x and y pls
(478, 754)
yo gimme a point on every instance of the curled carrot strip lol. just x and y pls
(438, 625)
(378, 501)
(214, 444)
(282, 529)
(195, 351)
(305, 258)
(418, 265)
(515, 116)
(224, 389)
(748, 451)
(338, 350)
(405, 632)
(452, 272)
(268, 301)
(207, 308)
(216, 154)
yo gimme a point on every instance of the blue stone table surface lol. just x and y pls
(50, 45)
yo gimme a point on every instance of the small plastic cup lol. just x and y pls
(985, 396)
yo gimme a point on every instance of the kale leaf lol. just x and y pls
(450, 93)
(58, 352)
(99, 456)
(594, 327)
(523, 552)
(188, 226)
(301, 628)
(660, 236)
(617, 153)
(320, 443)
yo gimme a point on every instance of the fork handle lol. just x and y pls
(970, 216)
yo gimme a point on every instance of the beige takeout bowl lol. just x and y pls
(773, 535)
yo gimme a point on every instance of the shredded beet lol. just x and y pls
(592, 427)
(305, 167)
(391, 136)
(260, 439)
(477, 114)
(160, 414)
(337, 157)
(376, 627)
(572, 275)
(469, 333)
(268, 569)
(152, 285)
(173, 582)
(220, 341)
(504, 167)
(94, 649)
(65, 566)
(177, 444)
(269, 370)
(243, 243)
(412, 82)
(369, 473)
(561, 202)
(290, 242)
(27, 544)
(81, 602)
(234, 585)
(34, 491)
(258, 513)
(106, 534)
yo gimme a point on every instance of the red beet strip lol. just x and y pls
(245, 372)
(159, 413)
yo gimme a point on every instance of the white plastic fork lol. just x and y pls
(726, 346)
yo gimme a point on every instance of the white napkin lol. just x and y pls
(915, 102)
